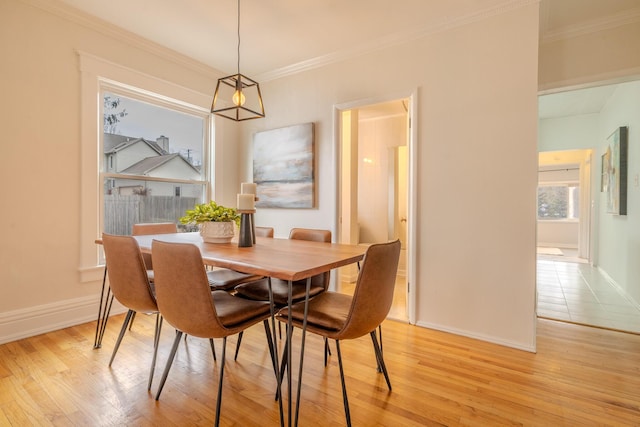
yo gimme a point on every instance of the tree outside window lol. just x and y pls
(558, 201)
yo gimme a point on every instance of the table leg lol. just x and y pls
(304, 333)
(289, 334)
(275, 351)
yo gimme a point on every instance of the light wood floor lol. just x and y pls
(580, 376)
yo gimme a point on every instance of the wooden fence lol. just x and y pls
(121, 212)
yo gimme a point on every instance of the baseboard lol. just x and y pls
(619, 288)
(36, 320)
(481, 337)
(557, 245)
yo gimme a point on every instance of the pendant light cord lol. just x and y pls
(238, 36)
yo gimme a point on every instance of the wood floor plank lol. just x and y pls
(579, 376)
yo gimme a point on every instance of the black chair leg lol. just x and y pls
(213, 349)
(219, 400)
(156, 342)
(172, 355)
(344, 387)
(122, 331)
(378, 367)
(132, 319)
(378, 350)
(327, 351)
(235, 357)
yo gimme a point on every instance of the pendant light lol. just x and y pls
(238, 97)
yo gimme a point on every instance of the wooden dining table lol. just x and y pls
(286, 259)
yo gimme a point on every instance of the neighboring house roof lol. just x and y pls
(146, 166)
(114, 143)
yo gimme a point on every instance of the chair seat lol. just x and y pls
(327, 311)
(225, 279)
(259, 290)
(233, 311)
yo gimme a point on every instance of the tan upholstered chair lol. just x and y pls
(188, 304)
(130, 285)
(259, 290)
(146, 228)
(343, 317)
(264, 231)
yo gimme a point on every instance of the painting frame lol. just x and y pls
(614, 172)
(284, 166)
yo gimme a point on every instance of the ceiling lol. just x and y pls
(303, 34)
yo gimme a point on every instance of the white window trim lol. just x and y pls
(94, 72)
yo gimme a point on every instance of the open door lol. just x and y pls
(374, 187)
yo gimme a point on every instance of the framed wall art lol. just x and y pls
(614, 172)
(283, 167)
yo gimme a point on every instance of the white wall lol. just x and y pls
(477, 88)
(568, 133)
(375, 138)
(558, 234)
(619, 248)
(40, 286)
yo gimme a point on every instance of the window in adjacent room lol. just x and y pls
(559, 201)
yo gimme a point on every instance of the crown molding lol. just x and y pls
(78, 17)
(594, 26)
(396, 39)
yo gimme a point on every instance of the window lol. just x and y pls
(558, 201)
(153, 160)
(98, 76)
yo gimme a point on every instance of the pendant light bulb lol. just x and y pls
(238, 98)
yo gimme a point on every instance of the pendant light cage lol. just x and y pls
(237, 97)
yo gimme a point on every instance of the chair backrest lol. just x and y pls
(373, 294)
(314, 235)
(154, 228)
(264, 231)
(146, 228)
(182, 289)
(127, 273)
(310, 234)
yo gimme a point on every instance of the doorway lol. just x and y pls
(564, 205)
(374, 186)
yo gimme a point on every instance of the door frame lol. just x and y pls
(412, 230)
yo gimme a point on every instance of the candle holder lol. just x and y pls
(247, 236)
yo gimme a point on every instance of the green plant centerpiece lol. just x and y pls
(216, 222)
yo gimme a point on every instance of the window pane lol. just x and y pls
(139, 137)
(165, 147)
(558, 202)
(127, 202)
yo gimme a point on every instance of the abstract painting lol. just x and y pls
(614, 172)
(283, 165)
